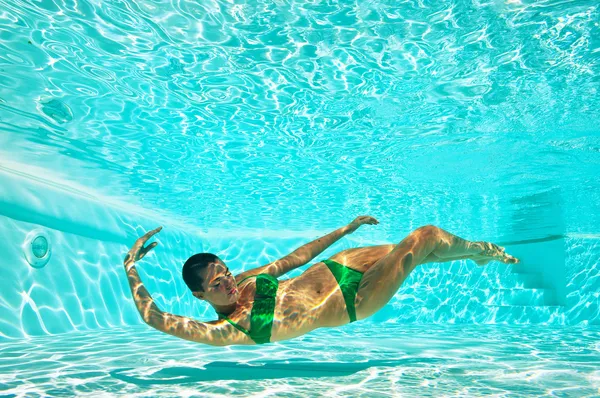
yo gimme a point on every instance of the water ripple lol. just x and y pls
(289, 87)
(409, 362)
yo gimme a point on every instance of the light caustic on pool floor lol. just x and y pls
(381, 360)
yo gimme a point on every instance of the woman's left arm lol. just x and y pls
(307, 252)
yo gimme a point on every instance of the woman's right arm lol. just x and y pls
(216, 333)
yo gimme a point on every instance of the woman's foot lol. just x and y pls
(492, 252)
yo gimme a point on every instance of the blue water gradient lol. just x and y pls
(295, 115)
(83, 286)
(247, 129)
(407, 361)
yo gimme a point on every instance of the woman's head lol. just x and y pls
(209, 279)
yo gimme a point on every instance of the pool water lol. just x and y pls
(286, 112)
(248, 129)
(378, 361)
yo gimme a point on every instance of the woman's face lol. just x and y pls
(220, 286)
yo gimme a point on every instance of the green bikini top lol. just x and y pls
(261, 316)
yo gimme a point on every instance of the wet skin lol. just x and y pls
(312, 299)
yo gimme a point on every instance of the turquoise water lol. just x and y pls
(288, 112)
(409, 361)
(249, 129)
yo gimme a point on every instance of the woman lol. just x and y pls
(255, 308)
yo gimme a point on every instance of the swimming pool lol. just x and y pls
(248, 130)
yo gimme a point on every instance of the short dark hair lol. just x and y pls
(192, 267)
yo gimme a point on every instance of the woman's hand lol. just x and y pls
(360, 220)
(138, 251)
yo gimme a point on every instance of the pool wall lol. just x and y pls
(83, 285)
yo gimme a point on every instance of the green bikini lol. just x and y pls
(261, 316)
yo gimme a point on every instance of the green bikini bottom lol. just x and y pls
(349, 280)
(261, 315)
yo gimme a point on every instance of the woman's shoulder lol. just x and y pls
(243, 278)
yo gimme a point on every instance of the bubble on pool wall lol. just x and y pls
(37, 248)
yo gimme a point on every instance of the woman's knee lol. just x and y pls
(422, 242)
(428, 230)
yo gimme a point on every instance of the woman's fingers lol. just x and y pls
(150, 247)
(138, 251)
(369, 220)
(149, 234)
(144, 238)
(145, 250)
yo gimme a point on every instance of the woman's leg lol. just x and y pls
(426, 244)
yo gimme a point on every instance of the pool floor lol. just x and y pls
(359, 360)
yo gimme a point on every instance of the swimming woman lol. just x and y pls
(255, 308)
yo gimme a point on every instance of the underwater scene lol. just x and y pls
(300, 198)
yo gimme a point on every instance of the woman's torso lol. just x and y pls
(310, 300)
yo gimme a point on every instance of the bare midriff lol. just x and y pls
(311, 300)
